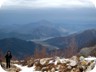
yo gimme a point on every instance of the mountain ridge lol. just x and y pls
(86, 38)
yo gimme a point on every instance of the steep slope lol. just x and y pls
(84, 39)
(15, 35)
(19, 48)
(88, 51)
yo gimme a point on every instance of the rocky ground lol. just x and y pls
(73, 64)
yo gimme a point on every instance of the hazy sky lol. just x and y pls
(47, 3)
(27, 11)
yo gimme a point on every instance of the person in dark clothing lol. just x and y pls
(8, 58)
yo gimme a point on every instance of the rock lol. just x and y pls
(44, 61)
(73, 70)
(73, 63)
(53, 70)
(81, 58)
(30, 63)
(44, 69)
(83, 63)
(64, 60)
(57, 62)
(69, 67)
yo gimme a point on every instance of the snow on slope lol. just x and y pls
(94, 70)
(90, 59)
(25, 68)
(1, 69)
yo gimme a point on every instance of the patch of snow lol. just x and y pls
(1, 69)
(90, 67)
(94, 70)
(55, 62)
(25, 68)
(51, 61)
(90, 58)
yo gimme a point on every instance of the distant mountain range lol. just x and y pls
(21, 48)
(81, 40)
(41, 30)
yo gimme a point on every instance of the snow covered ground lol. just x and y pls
(1, 69)
(94, 70)
(90, 59)
(25, 68)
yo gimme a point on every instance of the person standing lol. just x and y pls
(8, 57)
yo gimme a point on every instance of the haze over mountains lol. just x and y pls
(54, 28)
(41, 30)
(32, 24)
(21, 48)
(84, 39)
